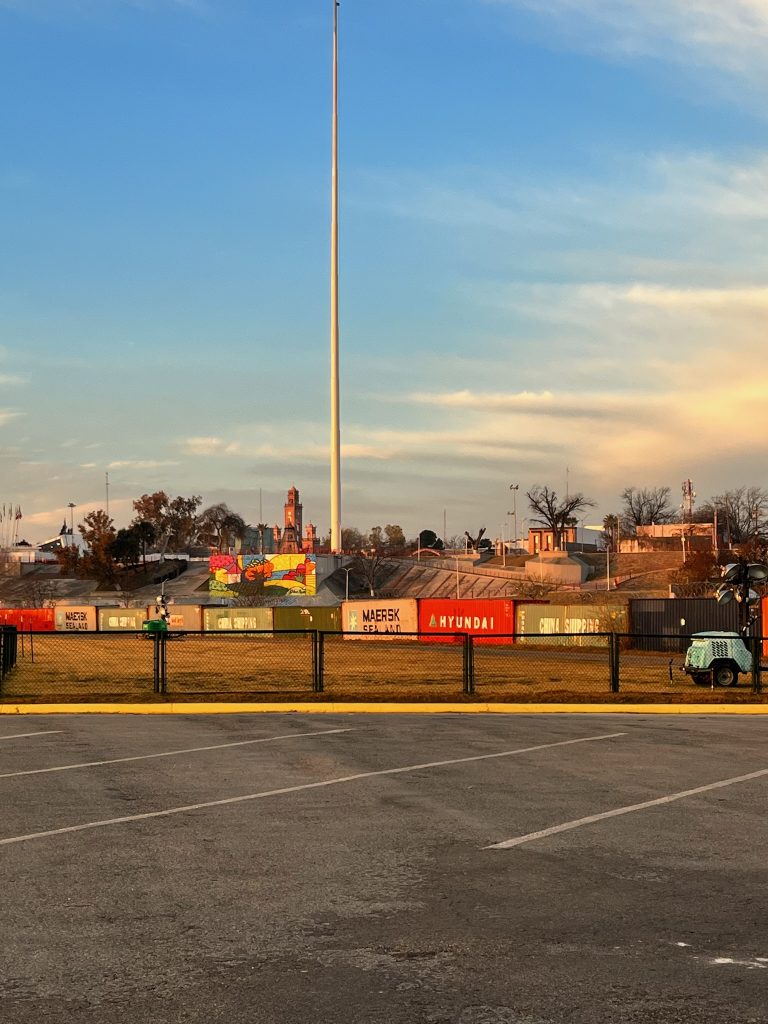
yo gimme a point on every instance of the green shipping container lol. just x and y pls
(327, 619)
(115, 620)
(578, 621)
(217, 620)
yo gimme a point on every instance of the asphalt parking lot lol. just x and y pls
(441, 869)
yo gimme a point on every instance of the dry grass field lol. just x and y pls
(118, 667)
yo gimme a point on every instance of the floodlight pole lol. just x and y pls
(335, 428)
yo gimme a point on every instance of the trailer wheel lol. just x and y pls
(726, 673)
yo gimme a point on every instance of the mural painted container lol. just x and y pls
(181, 616)
(116, 620)
(33, 620)
(219, 620)
(486, 619)
(75, 618)
(328, 619)
(275, 575)
(678, 618)
(385, 616)
(574, 620)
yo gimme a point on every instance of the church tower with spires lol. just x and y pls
(291, 541)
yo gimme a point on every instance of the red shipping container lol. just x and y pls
(764, 624)
(480, 618)
(31, 620)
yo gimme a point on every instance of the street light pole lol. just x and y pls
(514, 488)
(335, 420)
(346, 587)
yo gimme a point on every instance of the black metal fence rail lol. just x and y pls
(301, 665)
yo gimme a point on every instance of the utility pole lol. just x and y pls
(335, 424)
(514, 488)
(106, 476)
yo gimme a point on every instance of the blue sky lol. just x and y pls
(552, 252)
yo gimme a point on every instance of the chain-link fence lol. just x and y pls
(397, 666)
(335, 666)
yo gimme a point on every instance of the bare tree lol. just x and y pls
(36, 592)
(534, 588)
(743, 513)
(554, 513)
(645, 506)
(373, 568)
(474, 542)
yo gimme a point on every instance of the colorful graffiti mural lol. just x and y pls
(239, 575)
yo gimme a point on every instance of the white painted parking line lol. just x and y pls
(170, 753)
(629, 809)
(24, 735)
(298, 789)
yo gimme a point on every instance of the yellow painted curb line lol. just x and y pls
(382, 709)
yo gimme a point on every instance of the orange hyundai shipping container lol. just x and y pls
(492, 620)
(31, 620)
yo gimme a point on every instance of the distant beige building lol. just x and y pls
(669, 536)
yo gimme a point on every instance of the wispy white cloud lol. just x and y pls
(738, 300)
(730, 34)
(37, 6)
(531, 404)
(141, 463)
(202, 445)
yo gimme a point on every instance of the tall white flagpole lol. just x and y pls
(335, 428)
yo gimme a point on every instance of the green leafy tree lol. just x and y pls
(146, 535)
(98, 532)
(220, 527)
(395, 538)
(174, 519)
(351, 539)
(126, 547)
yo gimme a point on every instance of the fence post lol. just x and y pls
(757, 682)
(319, 661)
(155, 662)
(163, 662)
(468, 664)
(613, 660)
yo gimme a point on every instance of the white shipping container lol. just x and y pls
(75, 619)
(385, 617)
